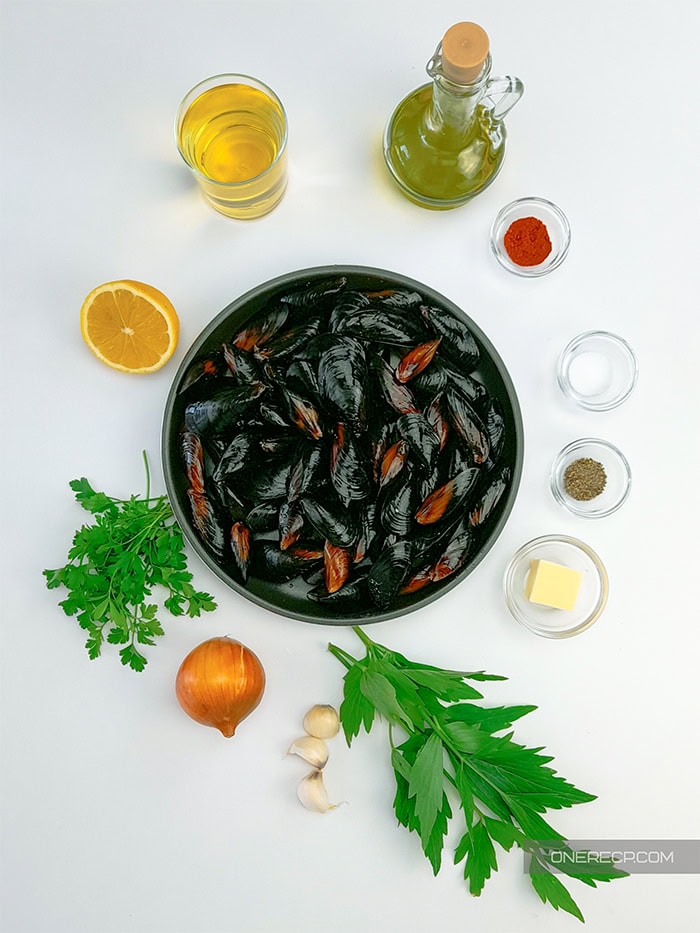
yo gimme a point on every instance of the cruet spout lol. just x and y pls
(502, 94)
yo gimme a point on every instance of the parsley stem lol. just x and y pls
(347, 660)
(148, 475)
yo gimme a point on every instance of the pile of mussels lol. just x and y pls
(341, 438)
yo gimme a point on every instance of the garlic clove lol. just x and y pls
(312, 793)
(312, 749)
(322, 721)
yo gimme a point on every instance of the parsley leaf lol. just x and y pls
(453, 744)
(113, 565)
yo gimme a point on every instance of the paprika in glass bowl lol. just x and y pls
(530, 237)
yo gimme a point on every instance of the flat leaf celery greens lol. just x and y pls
(452, 745)
(133, 545)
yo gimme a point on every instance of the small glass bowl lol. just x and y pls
(544, 620)
(557, 227)
(618, 477)
(598, 370)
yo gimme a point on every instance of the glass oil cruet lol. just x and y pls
(445, 142)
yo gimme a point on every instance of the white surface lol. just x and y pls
(120, 815)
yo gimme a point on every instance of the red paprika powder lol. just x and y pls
(527, 242)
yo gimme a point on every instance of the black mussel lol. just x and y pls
(242, 365)
(348, 303)
(496, 430)
(421, 438)
(393, 462)
(286, 344)
(193, 455)
(312, 296)
(398, 504)
(291, 523)
(332, 520)
(467, 424)
(235, 457)
(222, 409)
(271, 415)
(277, 445)
(368, 532)
(311, 353)
(263, 517)
(270, 563)
(490, 499)
(202, 371)
(350, 472)
(336, 565)
(458, 344)
(448, 498)
(383, 325)
(470, 387)
(342, 380)
(437, 420)
(208, 522)
(261, 328)
(431, 381)
(301, 378)
(455, 553)
(389, 572)
(306, 471)
(414, 362)
(269, 481)
(352, 597)
(241, 540)
(303, 415)
(396, 299)
(397, 396)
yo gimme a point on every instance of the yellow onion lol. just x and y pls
(219, 683)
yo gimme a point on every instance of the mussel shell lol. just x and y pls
(349, 468)
(222, 409)
(342, 380)
(193, 456)
(261, 328)
(486, 505)
(458, 344)
(242, 365)
(398, 505)
(421, 438)
(236, 456)
(333, 521)
(208, 522)
(383, 325)
(467, 424)
(263, 516)
(271, 563)
(398, 396)
(305, 471)
(314, 296)
(448, 498)
(389, 572)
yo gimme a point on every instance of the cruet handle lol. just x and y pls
(502, 94)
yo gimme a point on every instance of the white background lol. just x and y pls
(121, 815)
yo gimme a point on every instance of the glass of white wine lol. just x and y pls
(231, 131)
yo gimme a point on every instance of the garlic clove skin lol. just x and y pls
(312, 793)
(322, 721)
(312, 749)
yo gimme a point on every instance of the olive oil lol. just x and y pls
(233, 137)
(445, 142)
(446, 167)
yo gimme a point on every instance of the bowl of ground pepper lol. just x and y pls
(530, 237)
(591, 478)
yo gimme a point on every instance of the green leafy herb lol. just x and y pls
(452, 749)
(133, 545)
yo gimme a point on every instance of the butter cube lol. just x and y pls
(552, 584)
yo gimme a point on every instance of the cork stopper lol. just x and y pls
(465, 47)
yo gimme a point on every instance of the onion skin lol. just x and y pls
(219, 683)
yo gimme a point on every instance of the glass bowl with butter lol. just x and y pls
(556, 586)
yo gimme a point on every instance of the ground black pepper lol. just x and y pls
(584, 479)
